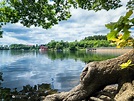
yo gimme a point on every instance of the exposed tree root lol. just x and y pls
(96, 76)
(126, 93)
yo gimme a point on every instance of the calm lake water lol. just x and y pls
(60, 69)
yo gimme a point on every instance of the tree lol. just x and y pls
(52, 44)
(58, 46)
(72, 46)
(33, 12)
(96, 75)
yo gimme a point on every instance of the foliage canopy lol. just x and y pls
(47, 13)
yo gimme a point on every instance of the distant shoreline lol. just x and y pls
(112, 50)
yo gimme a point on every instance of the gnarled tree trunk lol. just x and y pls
(97, 75)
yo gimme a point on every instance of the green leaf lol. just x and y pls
(126, 35)
(132, 20)
(70, 1)
(111, 26)
(112, 35)
(126, 31)
(129, 13)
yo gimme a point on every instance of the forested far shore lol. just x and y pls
(88, 42)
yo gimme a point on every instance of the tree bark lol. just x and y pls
(97, 75)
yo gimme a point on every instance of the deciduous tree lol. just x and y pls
(96, 75)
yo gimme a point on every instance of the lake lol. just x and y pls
(60, 69)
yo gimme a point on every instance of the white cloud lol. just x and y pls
(83, 23)
(7, 39)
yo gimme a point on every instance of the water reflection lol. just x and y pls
(28, 93)
(80, 55)
(67, 80)
(60, 69)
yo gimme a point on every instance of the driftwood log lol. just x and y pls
(96, 76)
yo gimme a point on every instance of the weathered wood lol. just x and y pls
(126, 92)
(97, 75)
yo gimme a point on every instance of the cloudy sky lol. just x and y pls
(82, 24)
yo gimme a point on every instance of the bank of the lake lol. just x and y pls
(61, 70)
(112, 50)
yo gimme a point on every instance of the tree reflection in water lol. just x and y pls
(36, 92)
(28, 93)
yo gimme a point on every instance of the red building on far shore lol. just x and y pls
(43, 48)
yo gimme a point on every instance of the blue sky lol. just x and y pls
(82, 24)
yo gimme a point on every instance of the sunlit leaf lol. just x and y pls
(120, 36)
(125, 65)
(121, 43)
(126, 35)
(112, 35)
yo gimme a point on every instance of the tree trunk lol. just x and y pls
(97, 75)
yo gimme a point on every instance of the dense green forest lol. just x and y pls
(87, 42)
